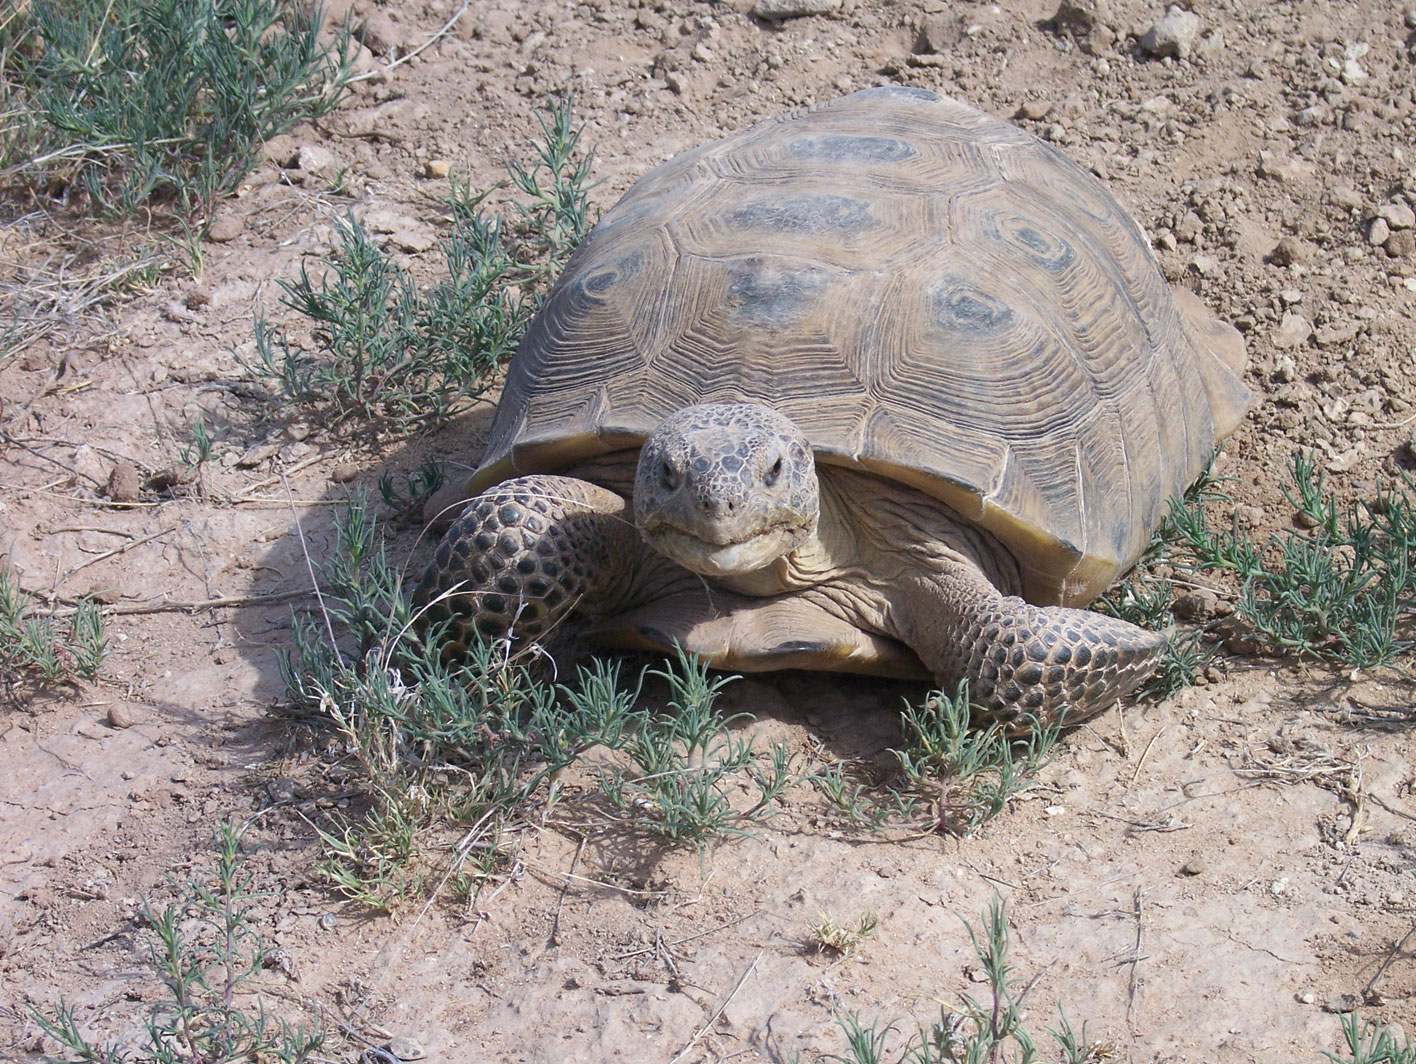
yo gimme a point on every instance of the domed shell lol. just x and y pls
(931, 294)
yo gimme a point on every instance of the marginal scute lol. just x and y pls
(932, 295)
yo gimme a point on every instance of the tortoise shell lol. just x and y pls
(931, 294)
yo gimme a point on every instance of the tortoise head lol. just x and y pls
(726, 488)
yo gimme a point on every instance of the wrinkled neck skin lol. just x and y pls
(874, 538)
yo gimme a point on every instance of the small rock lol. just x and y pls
(123, 484)
(1193, 867)
(1199, 604)
(1307, 997)
(674, 80)
(120, 716)
(345, 472)
(255, 454)
(1402, 244)
(437, 168)
(1032, 110)
(1174, 35)
(314, 158)
(1397, 216)
(1251, 516)
(1289, 296)
(1409, 17)
(1078, 18)
(227, 225)
(1205, 265)
(171, 477)
(104, 594)
(1290, 250)
(939, 33)
(1311, 116)
(1303, 519)
(1334, 335)
(405, 1048)
(1344, 196)
(1292, 331)
(1378, 232)
(777, 10)
(1189, 227)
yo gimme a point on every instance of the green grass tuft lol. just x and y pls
(973, 1031)
(33, 648)
(157, 104)
(209, 956)
(385, 350)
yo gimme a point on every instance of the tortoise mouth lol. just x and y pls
(725, 559)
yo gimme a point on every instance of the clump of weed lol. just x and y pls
(684, 758)
(958, 776)
(34, 648)
(210, 957)
(384, 349)
(158, 104)
(974, 1031)
(1338, 589)
(1370, 1042)
(1341, 589)
(841, 939)
(405, 504)
(471, 748)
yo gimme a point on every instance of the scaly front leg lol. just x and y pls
(527, 552)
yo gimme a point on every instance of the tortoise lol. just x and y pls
(885, 385)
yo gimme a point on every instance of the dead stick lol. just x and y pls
(118, 550)
(718, 1011)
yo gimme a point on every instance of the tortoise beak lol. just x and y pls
(714, 559)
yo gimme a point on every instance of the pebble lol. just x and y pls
(1344, 196)
(1409, 17)
(939, 33)
(1174, 35)
(314, 158)
(1032, 110)
(227, 225)
(405, 1048)
(1199, 604)
(1397, 215)
(437, 168)
(123, 482)
(1401, 244)
(777, 10)
(1290, 250)
(1378, 232)
(1193, 867)
(120, 716)
(344, 472)
(1292, 331)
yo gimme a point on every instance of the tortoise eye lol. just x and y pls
(774, 473)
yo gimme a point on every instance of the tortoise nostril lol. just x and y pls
(668, 475)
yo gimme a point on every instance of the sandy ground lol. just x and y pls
(1162, 884)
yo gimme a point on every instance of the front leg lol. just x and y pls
(526, 553)
(1049, 662)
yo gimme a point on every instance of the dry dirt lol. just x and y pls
(1184, 907)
